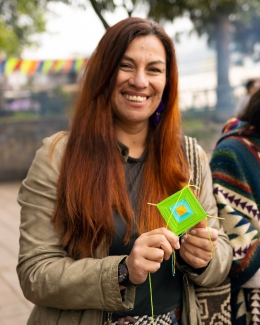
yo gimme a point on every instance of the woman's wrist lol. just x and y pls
(123, 275)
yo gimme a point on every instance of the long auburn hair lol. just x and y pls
(92, 183)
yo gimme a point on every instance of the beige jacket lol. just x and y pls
(68, 292)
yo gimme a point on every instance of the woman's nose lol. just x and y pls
(139, 80)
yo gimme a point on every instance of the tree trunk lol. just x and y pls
(224, 106)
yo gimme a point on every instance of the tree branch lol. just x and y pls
(98, 12)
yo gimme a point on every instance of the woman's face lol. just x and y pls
(140, 82)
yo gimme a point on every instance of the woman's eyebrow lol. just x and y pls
(128, 58)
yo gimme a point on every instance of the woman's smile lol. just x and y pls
(135, 98)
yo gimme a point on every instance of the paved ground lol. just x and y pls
(14, 308)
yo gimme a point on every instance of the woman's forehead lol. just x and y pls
(149, 44)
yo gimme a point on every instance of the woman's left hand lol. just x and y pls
(196, 248)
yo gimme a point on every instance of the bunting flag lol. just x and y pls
(30, 67)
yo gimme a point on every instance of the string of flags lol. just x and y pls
(30, 67)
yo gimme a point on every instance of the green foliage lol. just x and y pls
(9, 41)
(19, 21)
(247, 30)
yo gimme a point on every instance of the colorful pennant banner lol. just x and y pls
(29, 67)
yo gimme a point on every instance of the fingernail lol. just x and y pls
(177, 246)
(193, 232)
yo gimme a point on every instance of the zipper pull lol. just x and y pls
(109, 319)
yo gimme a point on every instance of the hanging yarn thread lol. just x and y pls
(151, 296)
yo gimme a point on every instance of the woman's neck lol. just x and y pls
(134, 138)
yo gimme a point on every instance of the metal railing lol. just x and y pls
(56, 101)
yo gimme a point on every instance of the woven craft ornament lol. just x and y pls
(181, 211)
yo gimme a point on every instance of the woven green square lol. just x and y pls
(181, 211)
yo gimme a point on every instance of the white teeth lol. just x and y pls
(138, 99)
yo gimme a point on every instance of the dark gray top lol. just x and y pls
(166, 288)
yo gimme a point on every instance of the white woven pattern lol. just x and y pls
(164, 319)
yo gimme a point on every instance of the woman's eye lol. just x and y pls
(155, 70)
(125, 65)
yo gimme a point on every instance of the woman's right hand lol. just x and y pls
(149, 251)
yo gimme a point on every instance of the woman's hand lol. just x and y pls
(148, 252)
(196, 248)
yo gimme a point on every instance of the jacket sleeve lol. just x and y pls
(217, 270)
(236, 203)
(48, 277)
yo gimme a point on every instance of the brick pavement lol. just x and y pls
(14, 308)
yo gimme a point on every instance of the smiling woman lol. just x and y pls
(89, 241)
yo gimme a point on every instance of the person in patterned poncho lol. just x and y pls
(235, 166)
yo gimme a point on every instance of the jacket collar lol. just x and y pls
(124, 153)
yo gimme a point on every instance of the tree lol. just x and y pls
(226, 23)
(19, 21)
(221, 20)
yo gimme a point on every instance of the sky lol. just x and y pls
(71, 32)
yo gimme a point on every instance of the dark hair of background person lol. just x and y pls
(250, 84)
(92, 182)
(251, 113)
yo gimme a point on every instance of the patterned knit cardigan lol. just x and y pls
(235, 166)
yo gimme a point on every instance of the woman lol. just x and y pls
(235, 167)
(89, 239)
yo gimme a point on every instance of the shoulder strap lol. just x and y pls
(193, 160)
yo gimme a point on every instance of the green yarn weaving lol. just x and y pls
(181, 211)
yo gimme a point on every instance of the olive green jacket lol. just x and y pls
(69, 292)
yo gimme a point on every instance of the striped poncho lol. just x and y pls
(235, 166)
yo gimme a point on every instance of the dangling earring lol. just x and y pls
(157, 113)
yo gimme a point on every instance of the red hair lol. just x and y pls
(92, 183)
